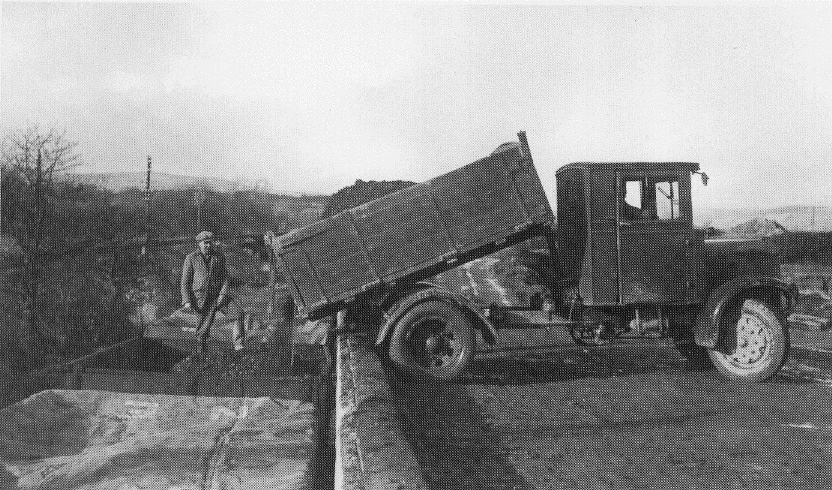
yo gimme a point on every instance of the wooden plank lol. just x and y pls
(402, 231)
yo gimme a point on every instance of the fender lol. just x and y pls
(431, 291)
(707, 331)
(396, 295)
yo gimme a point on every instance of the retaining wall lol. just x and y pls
(370, 450)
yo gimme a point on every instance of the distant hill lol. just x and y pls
(119, 181)
(791, 218)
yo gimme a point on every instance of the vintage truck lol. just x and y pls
(626, 262)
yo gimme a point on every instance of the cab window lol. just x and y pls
(667, 200)
(632, 202)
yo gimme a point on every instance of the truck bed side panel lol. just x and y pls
(479, 203)
(338, 257)
(301, 277)
(424, 226)
(402, 231)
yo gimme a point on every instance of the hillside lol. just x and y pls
(792, 218)
(119, 181)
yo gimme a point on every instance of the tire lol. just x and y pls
(762, 343)
(433, 339)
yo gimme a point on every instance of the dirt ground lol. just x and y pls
(538, 411)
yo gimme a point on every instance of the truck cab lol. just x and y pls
(632, 264)
(625, 233)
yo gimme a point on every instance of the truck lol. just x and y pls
(625, 261)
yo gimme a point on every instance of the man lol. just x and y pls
(204, 288)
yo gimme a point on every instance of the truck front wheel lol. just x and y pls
(433, 339)
(761, 347)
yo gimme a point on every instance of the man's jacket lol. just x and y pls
(204, 278)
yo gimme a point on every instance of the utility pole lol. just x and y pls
(147, 208)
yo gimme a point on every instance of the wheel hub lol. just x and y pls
(753, 340)
(433, 345)
(442, 344)
(439, 346)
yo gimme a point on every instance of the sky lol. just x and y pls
(312, 96)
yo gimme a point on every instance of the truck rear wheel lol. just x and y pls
(762, 344)
(433, 339)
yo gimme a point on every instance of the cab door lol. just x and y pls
(654, 237)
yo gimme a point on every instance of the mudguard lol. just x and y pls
(430, 291)
(707, 331)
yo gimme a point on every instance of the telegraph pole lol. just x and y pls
(147, 208)
(144, 257)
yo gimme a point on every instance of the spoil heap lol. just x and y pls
(757, 227)
(361, 192)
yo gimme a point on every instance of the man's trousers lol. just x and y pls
(230, 310)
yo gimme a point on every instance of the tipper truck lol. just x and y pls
(625, 258)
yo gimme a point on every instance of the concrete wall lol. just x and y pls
(198, 384)
(370, 451)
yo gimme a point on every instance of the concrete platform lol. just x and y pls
(60, 439)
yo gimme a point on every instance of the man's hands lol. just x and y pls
(187, 306)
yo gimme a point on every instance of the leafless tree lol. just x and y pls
(32, 159)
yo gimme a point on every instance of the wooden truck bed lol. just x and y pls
(426, 228)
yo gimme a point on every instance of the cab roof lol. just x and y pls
(633, 166)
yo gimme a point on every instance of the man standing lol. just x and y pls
(204, 288)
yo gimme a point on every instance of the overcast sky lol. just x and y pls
(314, 96)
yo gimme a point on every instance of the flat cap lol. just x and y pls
(204, 235)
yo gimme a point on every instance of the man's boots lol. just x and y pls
(240, 332)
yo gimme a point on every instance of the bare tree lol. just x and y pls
(31, 161)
